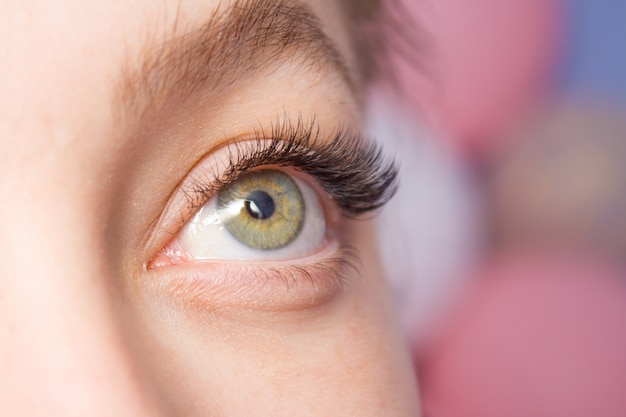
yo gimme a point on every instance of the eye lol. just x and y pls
(264, 210)
(264, 215)
(273, 201)
(265, 223)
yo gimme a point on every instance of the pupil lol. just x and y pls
(259, 205)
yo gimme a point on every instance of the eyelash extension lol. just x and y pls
(349, 167)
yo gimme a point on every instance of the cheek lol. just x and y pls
(344, 359)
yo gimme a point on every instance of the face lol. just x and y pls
(184, 214)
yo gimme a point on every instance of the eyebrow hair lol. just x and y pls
(236, 42)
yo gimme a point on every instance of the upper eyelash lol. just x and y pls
(351, 169)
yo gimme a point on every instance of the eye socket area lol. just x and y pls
(339, 175)
(207, 268)
(266, 215)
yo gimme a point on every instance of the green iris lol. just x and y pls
(263, 209)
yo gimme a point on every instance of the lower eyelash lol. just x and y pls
(337, 266)
(214, 287)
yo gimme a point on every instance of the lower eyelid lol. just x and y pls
(211, 287)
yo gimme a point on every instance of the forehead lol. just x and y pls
(62, 60)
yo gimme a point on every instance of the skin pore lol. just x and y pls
(110, 113)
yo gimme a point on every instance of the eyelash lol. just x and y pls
(351, 169)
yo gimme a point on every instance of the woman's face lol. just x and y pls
(176, 194)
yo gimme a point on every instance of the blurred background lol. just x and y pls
(506, 243)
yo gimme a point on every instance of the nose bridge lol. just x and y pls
(62, 351)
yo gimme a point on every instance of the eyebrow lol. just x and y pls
(236, 42)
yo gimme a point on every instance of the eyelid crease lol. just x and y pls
(350, 168)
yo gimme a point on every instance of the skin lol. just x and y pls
(87, 198)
